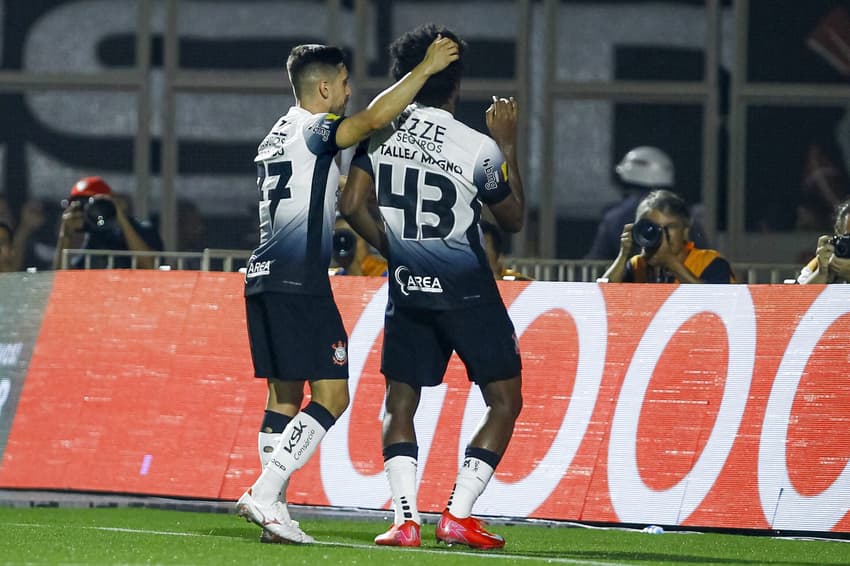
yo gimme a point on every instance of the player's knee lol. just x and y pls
(402, 399)
(507, 404)
(399, 407)
(332, 395)
(285, 397)
(340, 403)
(513, 406)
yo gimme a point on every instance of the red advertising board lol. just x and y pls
(714, 406)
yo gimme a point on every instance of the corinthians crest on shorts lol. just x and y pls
(340, 353)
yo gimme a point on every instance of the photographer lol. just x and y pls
(661, 231)
(640, 171)
(92, 221)
(351, 254)
(831, 263)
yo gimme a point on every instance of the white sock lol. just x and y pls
(298, 443)
(401, 473)
(472, 478)
(266, 443)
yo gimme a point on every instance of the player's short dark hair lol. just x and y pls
(488, 228)
(664, 201)
(305, 58)
(408, 51)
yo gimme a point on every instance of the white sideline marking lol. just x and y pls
(111, 529)
(478, 554)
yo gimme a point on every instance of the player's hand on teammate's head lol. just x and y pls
(441, 53)
(501, 118)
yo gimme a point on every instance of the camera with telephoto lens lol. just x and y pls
(647, 234)
(344, 242)
(841, 244)
(98, 214)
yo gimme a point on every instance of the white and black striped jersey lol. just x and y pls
(431, 175)
(297, 179)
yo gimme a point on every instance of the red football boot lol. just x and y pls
(469, 531)
(406, 534)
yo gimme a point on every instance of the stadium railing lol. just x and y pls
(591, 270)
(584, 270)
(208, 260)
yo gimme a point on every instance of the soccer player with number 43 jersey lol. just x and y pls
(295, 330)
(431, 175)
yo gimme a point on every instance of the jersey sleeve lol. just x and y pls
(361, 158)
(491, 174)
(320, 133)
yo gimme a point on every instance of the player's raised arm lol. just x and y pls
(389, 104)
(501, 119)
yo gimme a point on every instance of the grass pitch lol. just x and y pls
(152, 536)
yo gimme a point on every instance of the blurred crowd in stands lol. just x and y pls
(93, 216)
(649, 235)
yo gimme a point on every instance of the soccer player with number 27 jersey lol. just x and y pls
(429, 176)
(294, 327)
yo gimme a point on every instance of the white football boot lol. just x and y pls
(273, 519)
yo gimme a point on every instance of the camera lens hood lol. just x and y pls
(647, 234)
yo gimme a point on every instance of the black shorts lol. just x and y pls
(296, 337)
(419, 342)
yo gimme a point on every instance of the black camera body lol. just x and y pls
(647, 234)
(344, 243)
(841, 244)
(98, 214)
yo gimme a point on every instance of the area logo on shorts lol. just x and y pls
(340, 353)
(258, 268)
(421, 283)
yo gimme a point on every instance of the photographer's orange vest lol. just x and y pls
(696, 262)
